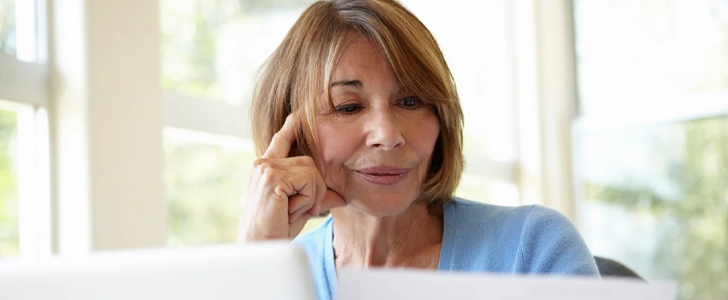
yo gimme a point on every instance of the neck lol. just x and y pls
(410, 239)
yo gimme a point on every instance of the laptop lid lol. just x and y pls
(390, 284)
(258, 271)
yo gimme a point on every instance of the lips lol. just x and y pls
(383, 175)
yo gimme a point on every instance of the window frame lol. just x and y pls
(687, 108)
(684, 108)
(205, 115)
(23, 82)
(24, 88)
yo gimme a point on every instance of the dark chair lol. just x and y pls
(611, 268)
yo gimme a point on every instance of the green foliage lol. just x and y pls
(695, 249)
(205, 185)
(189, 39)
(258, 6)
(7, 26)
(8, 186)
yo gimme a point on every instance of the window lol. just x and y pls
(24, 158)
(7, 27)
(480, 61)
(211, 51)
(9, 209)
(210, 54)
(652, 138)
(207, 178)
(656, 198)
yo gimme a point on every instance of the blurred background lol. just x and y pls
(124, 124)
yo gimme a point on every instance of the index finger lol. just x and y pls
(281, 143)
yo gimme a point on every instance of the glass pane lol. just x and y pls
(7, 27)
(205, 186)
(488, 190)
(206, 182)
(649, 52)
(213, 48)
(656, 199)
(480, 63)
(8, 184)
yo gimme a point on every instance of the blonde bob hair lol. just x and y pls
(299, 72)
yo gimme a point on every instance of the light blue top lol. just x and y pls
(480, 237)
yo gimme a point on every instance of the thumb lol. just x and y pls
(332, 200)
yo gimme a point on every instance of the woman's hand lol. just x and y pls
(283, 192)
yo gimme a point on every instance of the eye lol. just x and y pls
(411, 102)
(348, 109)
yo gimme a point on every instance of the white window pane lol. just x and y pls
(212, 48)
(656, 199)
(476, 45)
(8, 42)
(488, 190)
(206, 180)
(206, 184)
(9, 205)
(18, 29)
(649, 53)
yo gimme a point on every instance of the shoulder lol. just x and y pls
(550, 243)
(482, 237)
(477, 214)
(539, 217)
(313, 241)
(536, 221)
(540, 239)
(544, 226)
(522, 219)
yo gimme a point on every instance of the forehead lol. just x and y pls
(360, 60)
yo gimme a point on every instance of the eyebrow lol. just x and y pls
(347, 82)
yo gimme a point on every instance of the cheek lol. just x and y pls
(336, 144)
(427, 132)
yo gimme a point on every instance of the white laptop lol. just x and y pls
(258, 271)
(427, 285)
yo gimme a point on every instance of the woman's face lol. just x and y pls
(375, 147)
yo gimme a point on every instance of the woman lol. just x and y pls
(356, 113)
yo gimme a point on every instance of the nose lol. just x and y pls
(383, 130)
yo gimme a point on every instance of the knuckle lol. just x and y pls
(258, 162)
(308, 160)
(262, 165)
(302, 160)
(279, 194)
(269, 175)
(313, 175)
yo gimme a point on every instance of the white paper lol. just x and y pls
(422, 285)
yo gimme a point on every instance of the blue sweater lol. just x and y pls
(480, 237)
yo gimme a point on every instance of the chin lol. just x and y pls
(378, 205)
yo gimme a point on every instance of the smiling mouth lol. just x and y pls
(383, 175)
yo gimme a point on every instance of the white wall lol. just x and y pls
(107, 118)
